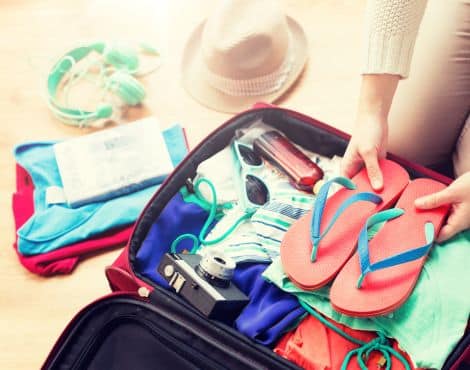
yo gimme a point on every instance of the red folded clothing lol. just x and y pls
(63, 260)
(314, 346)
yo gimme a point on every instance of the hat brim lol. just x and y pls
(192, 69)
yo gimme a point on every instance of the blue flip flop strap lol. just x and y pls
(320, 203)
(397, 259)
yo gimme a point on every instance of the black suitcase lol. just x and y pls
(143, 326)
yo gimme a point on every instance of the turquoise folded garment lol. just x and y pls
(57, 225)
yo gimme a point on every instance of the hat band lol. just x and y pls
(261, 85)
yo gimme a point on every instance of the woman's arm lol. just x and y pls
(369, 138)
(391, 30)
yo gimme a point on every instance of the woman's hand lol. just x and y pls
(369, 138)
(368, 144)
(458, 195)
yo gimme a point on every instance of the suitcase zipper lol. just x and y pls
(176, 345)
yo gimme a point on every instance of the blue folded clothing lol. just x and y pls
(57, 225)
(270, 313)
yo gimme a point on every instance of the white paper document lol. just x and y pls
(112, 162)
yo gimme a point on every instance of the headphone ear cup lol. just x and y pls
(126, 87)
(121, 57)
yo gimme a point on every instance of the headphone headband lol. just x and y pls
(67, 62)
(122, 59)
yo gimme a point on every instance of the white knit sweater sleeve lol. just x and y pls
(391, 30)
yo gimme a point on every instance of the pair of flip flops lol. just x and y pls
(373, 277)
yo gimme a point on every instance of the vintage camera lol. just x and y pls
(205, 281)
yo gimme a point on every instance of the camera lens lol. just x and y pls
(220, 260)
(216, 268)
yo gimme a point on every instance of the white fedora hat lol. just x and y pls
(246, 51)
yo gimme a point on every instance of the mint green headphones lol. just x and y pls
(118, 66)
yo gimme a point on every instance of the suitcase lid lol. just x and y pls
(126, 330)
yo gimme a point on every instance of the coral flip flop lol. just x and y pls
(381, 275)
(317, 245)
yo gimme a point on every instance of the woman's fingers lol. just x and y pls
(435, 200)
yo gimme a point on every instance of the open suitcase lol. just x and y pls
(144, 326)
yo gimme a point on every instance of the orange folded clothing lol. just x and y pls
(315, 346)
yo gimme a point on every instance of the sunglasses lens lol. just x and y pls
(249, 156)
(256, 190)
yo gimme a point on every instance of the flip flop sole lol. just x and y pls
(385, 290)
(339, 244)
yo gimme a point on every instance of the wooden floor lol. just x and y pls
(33, 34)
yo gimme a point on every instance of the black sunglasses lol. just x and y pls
(255, 190)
